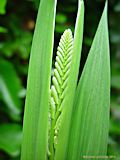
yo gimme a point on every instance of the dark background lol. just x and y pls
(17, 22)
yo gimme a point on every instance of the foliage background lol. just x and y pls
(17, 21)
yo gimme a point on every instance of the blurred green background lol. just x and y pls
(17, 22)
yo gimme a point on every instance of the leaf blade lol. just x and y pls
(90, 123)
(61, 152)
(8, 132)
(35, 129)
(10, 86)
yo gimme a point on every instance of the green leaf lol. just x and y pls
(61, 18)
(63, 138)
(20, 44)
(10, 138)
(3, 30)
(115, 81)
(35, 129)
(10, 87)
(2, 6)
(90, 119)
(114, 127)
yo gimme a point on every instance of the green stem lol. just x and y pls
(51, 142)
(52, 131)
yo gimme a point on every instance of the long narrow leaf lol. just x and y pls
(35, 128)
(10, 87)
(62, 146)
(90, 122)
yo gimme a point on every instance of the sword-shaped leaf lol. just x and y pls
(63, 137)
(35, 129)
(90, 119)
